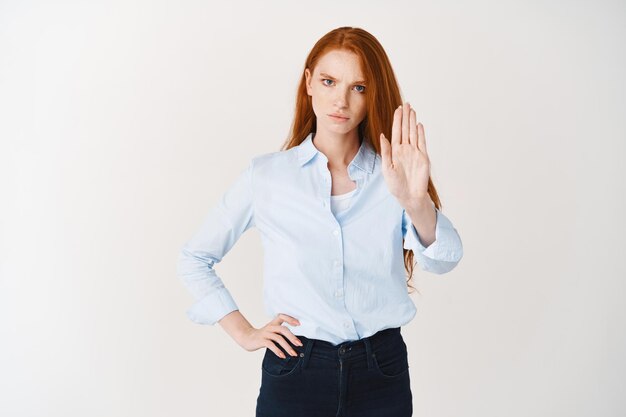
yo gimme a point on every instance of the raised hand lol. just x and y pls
(405, 166)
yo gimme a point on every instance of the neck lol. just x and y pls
(340, 149)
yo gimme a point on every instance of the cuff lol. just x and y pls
(447, 245)
(211, 308)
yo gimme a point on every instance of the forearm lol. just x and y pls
(424, 218)
(235, 324)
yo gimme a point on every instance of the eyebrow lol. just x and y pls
(323, 74)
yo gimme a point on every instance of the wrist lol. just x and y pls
(236, 326)
(418, 204)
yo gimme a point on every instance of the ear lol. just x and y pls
(307, 75)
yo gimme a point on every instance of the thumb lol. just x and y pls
(385, 150)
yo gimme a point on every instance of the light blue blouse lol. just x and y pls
(341, 275)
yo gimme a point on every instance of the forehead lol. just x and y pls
(340, 64)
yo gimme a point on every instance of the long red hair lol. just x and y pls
(382, 98)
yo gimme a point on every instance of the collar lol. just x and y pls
(364, 158)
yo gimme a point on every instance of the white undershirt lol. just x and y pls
(340, 202)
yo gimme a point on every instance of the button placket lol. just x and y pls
(337, 264)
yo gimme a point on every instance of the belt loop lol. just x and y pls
(368, 352)
(307, 351)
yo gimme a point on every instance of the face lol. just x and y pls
(337, 87)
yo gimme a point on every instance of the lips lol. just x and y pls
(338, 115)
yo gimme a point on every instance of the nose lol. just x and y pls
(341, 99)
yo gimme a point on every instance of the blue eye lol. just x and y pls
(328, 85)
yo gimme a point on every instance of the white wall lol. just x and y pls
(122, 122)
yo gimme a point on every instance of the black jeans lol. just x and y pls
(361, 378)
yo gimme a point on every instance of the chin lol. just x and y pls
(340, 129)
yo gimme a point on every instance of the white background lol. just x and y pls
(121, 123)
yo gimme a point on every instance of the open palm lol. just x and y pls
(406, 167)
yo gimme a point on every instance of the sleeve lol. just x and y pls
(443, 254)
(222, 227)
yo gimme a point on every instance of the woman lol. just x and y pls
(341, 211)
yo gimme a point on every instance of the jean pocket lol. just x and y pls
(391, 361)
(278, 367)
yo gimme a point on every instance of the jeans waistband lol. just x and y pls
(348, 349)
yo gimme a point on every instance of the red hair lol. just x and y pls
(382, 97)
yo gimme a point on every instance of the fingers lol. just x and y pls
(271, 346)
(412, 128)
(422, 138)
(281, 318)
(396, 128)
(275, 336)
(277, 329)
(292, 337)
(405, 122)
(405, 129)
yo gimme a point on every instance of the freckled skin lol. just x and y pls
(343, 94)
